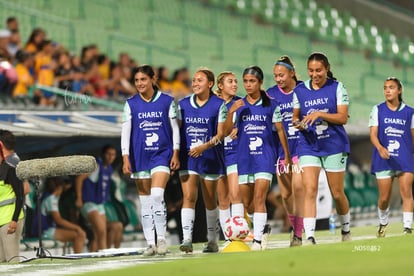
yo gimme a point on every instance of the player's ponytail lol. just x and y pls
(287, 62)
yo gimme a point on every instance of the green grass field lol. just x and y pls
(364, 255)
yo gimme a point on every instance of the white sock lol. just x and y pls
(213, 225)
(345, 221)
(147, 220)
(187, 222)
(407, 219)
(237, 209)
(309, 226)
(259, 221)
(159, 212)
(223, 215)
(383, 216)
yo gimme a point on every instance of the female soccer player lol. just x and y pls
(290, 184)
(320, 109)
(54, 226)
(201, 116)
(150, 144)
(391, 132)
(255, 116)
(226, 89)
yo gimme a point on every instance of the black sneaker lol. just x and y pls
(346, 235)
(296, 241)
(408, 230)
(309, 241)
(381, 230)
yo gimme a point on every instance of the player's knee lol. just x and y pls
(157, 194)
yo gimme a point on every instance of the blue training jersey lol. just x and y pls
(96, 186)
(256, 148)
(151, 142)
(230, 145)
(199, 125)
(394, 133)
(285, 101)
(322, 138)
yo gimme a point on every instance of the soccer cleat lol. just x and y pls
(211, 247)
(266, 233)
(408, 230)
(381, 230)
(346, 235)
(150, 250)
(309, 241)
(186, 246)
(296, 241)
(162, 248)
(256, 246)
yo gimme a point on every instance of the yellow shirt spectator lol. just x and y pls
(24, 81)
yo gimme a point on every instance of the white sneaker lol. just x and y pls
(162, 247)
(150, 250)
(256, 246)
(266, 233)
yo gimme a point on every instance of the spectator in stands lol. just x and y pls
(99, 84)
(320, 109)
(163, 79)
(25, 80)
(180, 83)
(53, 225)
(391, 133)
(45, 73)
(8, 75)
(125, 63)
(80, 83)
(35, 40)
(4, 44)
(104, 66)
(11, 211)
(14, 43)
(12, 23)
(92, 191)
(87, 55)
(64, 74)
(118, 85)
